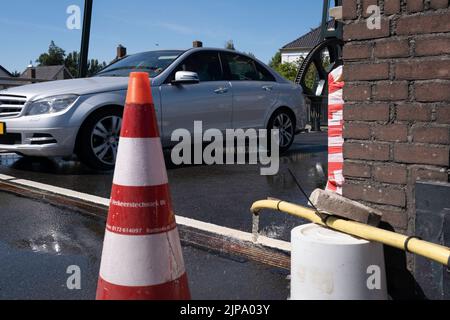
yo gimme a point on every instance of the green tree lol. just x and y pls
(94, 67)
(54, 57)
(276, 60)
(57, 56)
(16, 74)
(288, 70)
(250, 54)
(71, 63)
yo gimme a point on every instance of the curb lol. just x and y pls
(221, 240)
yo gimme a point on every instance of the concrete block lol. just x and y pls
(334, 204)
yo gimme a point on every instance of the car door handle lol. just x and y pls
(267, 88)
(221, 90)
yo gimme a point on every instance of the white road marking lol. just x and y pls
(188, 222)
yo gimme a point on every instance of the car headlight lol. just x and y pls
(51, 104)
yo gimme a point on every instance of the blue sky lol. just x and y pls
(257, 26)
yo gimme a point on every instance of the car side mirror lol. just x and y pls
(186, 77)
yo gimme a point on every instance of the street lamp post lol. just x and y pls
(83, 63)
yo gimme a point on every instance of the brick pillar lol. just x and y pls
(397, 103)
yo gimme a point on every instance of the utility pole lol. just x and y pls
(83, 63)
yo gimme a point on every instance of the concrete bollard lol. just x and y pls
(329, 265)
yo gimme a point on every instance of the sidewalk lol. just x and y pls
(38, 242)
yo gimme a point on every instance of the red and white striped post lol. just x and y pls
(142, 257)
(335, 131)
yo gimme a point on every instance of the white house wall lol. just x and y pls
(292, 56)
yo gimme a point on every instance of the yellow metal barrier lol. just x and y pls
(414, 245)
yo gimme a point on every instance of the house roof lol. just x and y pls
(49, 72)
(6, 71)
(309, 40)
(8, 75)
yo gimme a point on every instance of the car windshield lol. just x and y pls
(153, 63)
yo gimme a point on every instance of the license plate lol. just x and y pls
(2, 128)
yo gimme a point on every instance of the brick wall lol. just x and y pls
(397, 103)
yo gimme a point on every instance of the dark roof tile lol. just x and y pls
(309, 40)
(49, 72)
(6, 71)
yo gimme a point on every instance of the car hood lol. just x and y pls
(73, 86)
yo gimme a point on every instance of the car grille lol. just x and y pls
(11, 106)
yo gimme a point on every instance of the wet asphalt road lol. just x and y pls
(38, 242)
(216, 194)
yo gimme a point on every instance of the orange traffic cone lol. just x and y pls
(142, 257)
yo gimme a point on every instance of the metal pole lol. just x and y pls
(338, 28)
(84, 51)
(323, 30)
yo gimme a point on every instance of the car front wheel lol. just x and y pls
(99, 139)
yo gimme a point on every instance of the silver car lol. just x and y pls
(222, 88)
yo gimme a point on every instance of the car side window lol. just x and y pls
(206, 64)
(264, 74)
(242, 68)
